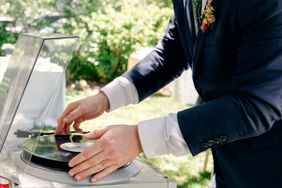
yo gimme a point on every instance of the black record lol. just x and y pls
(46, 151)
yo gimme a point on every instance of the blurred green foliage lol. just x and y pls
(109, 33)
(29, 12)
(6, 36)
(109, 30)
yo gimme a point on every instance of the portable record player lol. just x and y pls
(30, 156)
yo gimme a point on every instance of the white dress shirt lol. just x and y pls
(158, 136)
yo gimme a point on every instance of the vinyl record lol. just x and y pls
(46, 150)
(76, 147)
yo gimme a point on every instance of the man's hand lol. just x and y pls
(81, 110)
(115, 146)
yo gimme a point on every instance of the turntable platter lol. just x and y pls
(54, 151)
(44, 157)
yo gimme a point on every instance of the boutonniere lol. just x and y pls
(208, 17)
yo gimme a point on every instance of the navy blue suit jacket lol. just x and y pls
(237, 71)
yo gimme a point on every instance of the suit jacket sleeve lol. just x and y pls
(165, 63)
(254, 103)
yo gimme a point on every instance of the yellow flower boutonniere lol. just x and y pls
(209, 18)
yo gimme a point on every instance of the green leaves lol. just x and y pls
(113, 31)
(109, 30)
(6, 36)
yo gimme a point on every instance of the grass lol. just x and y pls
(188, 171)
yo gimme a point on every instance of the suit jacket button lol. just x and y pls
(214, 142)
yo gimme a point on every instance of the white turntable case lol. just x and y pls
(30, 49)
(148, 177)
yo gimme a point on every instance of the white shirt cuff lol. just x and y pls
(162, 136)
(120, 92)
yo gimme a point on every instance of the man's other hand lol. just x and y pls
(81, 110)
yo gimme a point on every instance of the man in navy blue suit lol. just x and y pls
(234, 49)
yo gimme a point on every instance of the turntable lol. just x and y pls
(32, 157)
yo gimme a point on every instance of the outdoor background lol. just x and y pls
(110, 31)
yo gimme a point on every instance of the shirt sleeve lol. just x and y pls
(120, 92)
(158, 136)
(162, 135)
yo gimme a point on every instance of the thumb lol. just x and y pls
(95, 134)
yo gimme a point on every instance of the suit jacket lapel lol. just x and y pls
(198, 48)
(199, 43)
(190, 23)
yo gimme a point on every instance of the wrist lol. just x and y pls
(138, 142)
(105, 101)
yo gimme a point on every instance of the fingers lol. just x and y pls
(89, 162)
(86, 154)
(89, 167)
(73, 115)
(67, 129)
(69, 109)
(81, 110)
(76, 126)
(97, 168)
(95, 134)
(103, 173)
(62, 126)
(100, 170)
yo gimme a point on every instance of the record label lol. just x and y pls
(76, 147)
